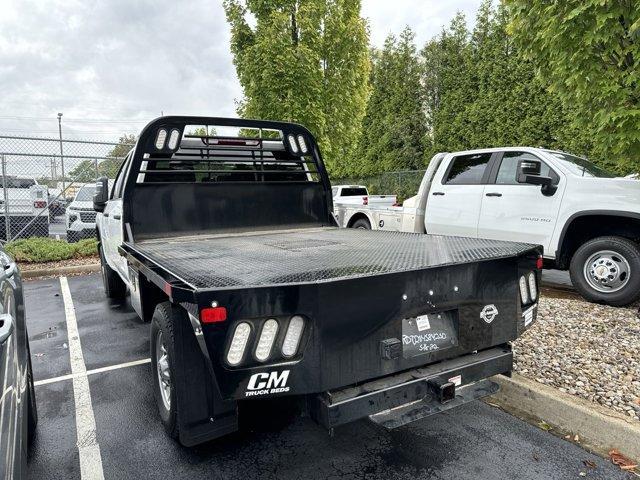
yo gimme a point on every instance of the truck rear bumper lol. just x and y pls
(399, 399)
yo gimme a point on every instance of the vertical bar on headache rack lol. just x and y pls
(7, 222)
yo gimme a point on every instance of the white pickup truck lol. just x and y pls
(359, 195)
(23, 208)
(587, 220)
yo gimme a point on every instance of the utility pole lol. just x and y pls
(64, 187)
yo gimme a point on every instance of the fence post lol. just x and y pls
(95, 162)
(7, 221)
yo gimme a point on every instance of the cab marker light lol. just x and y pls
(173, 139)
(238, 343)
(303, 144)
(293, 144)
(160, 138)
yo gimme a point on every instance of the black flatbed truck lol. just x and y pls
(229, 248)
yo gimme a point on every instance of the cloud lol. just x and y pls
(112, 65)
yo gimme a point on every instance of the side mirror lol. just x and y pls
(101, 196)
(529, 172)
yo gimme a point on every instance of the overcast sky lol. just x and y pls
(111, 66)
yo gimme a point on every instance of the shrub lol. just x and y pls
(50, 250)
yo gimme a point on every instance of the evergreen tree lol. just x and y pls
(589, 53)
(394, 126)
(305, 61)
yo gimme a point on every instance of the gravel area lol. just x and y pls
(24, 266)
(584, 349)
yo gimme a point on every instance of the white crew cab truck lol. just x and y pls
(587, 220)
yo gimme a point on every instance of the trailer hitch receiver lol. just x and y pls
(444, 391)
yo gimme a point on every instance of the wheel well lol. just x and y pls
(356, 217)
(587, 227)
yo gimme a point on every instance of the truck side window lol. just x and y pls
(468, 169)
(117, 188)
(509, 166)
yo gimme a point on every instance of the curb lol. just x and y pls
(70, 270)
(599, 429)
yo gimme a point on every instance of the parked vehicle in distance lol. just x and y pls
(587, 220)
(18, 411)
(359, 195)
(80, 216)
(24, 204)
(229, 248)
(57, 203)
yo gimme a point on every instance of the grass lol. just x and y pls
(35, 249)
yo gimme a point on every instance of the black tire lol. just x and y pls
(114, 287)
(72, 237)
(162, 324)
(32, 408)
(624, 249)
(362, 223)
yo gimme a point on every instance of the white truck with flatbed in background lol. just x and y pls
(359, 195)
(587, 219)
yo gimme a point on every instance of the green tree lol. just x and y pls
(482, 91)
(589, 53)
(305, 61)
(394, 127)
(89, 170)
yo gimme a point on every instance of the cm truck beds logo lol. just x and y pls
(267, 383)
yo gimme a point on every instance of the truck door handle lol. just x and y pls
(117, 217)
(105, 214)
(494, 194)
(437, 193)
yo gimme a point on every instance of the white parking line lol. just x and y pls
(108, 368)
(88, 448)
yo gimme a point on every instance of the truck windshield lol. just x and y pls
(13, 182)
(580, 166)
(85, 194)
(353, 192)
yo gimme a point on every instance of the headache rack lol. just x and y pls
(189, 175)
(212, 158)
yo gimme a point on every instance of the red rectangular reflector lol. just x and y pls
(539, 263)
(213, 314)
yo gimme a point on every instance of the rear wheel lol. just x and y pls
(163, 363)
(607, 270)
(114, 287)
(362, 223)
(72, 237)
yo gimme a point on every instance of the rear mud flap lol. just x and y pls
(430, 405)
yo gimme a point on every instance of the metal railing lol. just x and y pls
(40, 180)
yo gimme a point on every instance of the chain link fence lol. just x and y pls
(403, 183)
(47, 185)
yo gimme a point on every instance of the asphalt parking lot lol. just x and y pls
(127, 440)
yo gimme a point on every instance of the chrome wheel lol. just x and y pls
(164, 374)
(607, 271)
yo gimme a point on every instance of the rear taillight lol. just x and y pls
(40, 204)
(539, 263)
(365, 200)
